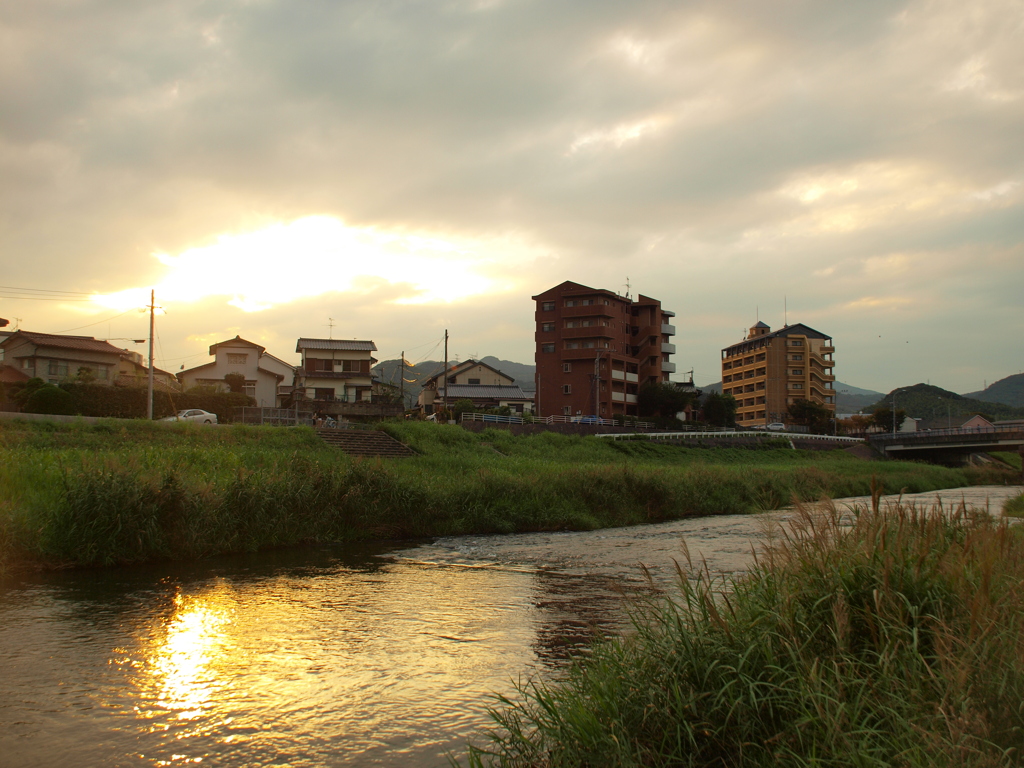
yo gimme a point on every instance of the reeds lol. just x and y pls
(885, 638)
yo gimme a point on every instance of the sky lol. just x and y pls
(388, 170)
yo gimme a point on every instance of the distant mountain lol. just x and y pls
(1008, 391)
(923, 401)
(415, 375)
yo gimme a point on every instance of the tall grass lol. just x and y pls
(889, 638)
(117, 493)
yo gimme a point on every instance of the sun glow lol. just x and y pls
(287, 262)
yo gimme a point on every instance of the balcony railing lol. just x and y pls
(668, 348)
(667, 367)
(668, 330)
(625, 376)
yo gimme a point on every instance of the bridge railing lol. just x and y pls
(925, 436)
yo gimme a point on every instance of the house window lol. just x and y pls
(795, 343)
(567, 410)
(102, 372)
(236, 359)
(355, 366)
(546, 327)
(547, 347)
(250, 389)
(323, 393)
(474, 381)
(547, 306)
(567, 389)
(58, 368)
(566, 367)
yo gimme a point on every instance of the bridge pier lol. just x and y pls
(1020, 452)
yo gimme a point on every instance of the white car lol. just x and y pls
(194, 414)
(776, 427)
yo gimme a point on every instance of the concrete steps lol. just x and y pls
(364, 442)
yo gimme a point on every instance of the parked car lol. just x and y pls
(776, 427)
(193, 414)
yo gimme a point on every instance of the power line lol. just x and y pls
(107, 320)
(44, 290)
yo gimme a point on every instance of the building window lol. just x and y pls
(796, 357)
(547, 306)
(567, 389)
(566, 367)
(547, 347)
(567, 410)
(572, 345)
(474, 381)
(798, 385)
(795, 343)
(236, 359)
(323, 393)
(570, 302)
(546, 327)
(586, 302)
(250, 389)
(798, 371)
(588, 345)
(571, 323)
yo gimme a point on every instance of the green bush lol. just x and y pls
(50, 399)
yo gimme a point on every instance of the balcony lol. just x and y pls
(668, 348)
(589, 332)
(667, 367)
(622, 397)
(625, 376)
(594, 310)
(668, 330)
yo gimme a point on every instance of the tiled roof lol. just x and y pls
(338, 344)
(82, 343)
(11, 375)
(237, 341)
(462, 367)
(799, 329)
(489, 391)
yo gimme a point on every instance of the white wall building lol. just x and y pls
(267, 378)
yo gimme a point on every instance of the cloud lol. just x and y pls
(438, 159)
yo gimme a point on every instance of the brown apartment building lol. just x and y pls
(596, 348)
(768, 371)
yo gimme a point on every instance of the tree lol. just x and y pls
(235, 382)
(883, 417)
(465, 405)
(662, 399)
(85, 375)
(815, 416)
(21, 397)
(719, 409)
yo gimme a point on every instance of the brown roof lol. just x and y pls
(238, 340)
(55, 341)
(11, 375)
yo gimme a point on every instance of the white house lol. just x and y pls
(267, 378)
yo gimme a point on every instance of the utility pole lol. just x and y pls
(152, 308)
(444, 397)
(401, 378)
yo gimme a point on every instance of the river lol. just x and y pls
(382, 655)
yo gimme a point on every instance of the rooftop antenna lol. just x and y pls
(330, 328)
(785, 308)
(17, 323)
(628, 287)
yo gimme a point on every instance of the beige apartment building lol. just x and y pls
(768, 371)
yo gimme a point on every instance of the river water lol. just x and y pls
(376, 655)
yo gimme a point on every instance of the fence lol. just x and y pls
(728, 432)
(274, 417)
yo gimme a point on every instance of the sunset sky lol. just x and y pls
(398, 168)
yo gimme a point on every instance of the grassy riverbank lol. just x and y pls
(896, 641)
(121, 492)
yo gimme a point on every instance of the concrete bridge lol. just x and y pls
(950, 446)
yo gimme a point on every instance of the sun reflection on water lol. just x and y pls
(183, 666)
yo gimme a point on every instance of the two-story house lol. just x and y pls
(483, 385)
(267, 378)
(55, 358)
(334, 371)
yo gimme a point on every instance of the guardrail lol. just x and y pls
(492, 418)
(726, 432)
